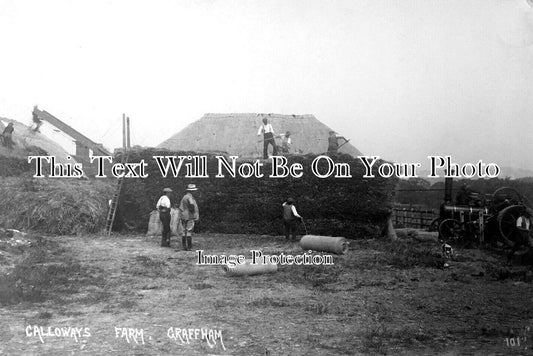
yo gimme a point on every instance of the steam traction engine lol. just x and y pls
(479, 218)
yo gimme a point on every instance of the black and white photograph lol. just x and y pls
(266, 177)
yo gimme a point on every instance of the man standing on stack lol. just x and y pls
(333, 142)
(188, 214)
(7, 136)
(268, 138)
(163, 205)
(286, 142)
(36, 120)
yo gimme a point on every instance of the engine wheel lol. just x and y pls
(434, 226)
(507, 222)
(502, 194)
(451, 231)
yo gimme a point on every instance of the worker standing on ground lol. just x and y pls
(290, 218)
(286, 142)
(163, 205)
(188, 215)
(268, 138)
(7, 136)
(333, 142)
(521, 233)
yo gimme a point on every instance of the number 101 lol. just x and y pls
(512, 341)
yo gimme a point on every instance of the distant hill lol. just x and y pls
(506, 172)
(515, 172)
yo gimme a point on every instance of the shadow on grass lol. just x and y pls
(400, 254)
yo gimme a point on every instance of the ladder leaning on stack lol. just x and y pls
(114, 202)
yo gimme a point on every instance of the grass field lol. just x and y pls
(128, 296)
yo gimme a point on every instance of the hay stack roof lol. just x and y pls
(236, 134)
(24, 138)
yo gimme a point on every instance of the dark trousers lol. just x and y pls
(186, 239)
(7, 141)
(165, 219)
(268, 139)
(332, 150)
(290, 229)
(520, 238)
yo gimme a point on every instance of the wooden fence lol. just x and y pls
(414, 216)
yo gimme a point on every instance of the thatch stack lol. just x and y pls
(351, 207)
(63, 206)
(236, 134)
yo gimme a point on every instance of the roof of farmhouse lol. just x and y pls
(236, 134)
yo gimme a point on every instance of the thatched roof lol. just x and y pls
(236, 134)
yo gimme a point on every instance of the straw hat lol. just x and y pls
(167, 190)
(192, 187)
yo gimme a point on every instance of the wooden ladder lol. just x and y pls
(114, 202)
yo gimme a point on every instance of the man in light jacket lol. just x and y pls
(188, 215)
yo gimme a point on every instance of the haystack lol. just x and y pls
(54, 206)
(350, 207)
(236, 134)
(26, 139)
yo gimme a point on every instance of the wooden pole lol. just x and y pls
(124, 131)
(128, 142)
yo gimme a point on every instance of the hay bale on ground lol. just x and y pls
(337, 245)
(249, 269)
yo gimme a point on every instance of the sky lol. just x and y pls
(402, 79)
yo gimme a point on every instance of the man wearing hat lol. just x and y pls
(333, 142)
(163, 205)
(290, 216)
(188, 215)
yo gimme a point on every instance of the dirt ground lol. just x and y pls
(128, 296)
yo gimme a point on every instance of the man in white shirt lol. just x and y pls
(163, 205)
(268, 138)
(290, 217)
(522, 232)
